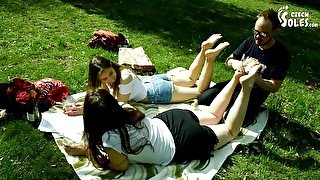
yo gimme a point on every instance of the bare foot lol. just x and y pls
(213, 53)
(248, 63)
(247, 81)
(207, 44)
(237, 74)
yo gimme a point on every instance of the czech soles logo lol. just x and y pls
(294, 19)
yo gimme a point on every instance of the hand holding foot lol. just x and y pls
(248, 63)
(237, 74)
(207, 44)
(247, 81)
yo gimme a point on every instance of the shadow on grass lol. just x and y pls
(183, 23)
(309, 3)
(289, 136)
(293, 136)
(186, 23)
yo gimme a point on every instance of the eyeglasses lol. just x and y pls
(261, 34)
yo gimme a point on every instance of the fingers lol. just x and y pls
(73, 112)
(73, 109)
(248, 63)
(241, 68)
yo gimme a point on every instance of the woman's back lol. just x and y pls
(155, 131)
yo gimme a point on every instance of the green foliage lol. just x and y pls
(49, 38)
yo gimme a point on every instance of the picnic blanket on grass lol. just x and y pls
(66, 128)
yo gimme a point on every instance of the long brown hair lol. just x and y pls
(101, 114)
(96, 65)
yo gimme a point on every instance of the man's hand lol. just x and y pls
(248, 63)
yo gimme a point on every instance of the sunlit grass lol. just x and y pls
(41, 39)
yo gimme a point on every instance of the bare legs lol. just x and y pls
(205, 60)
(183, 77)
(230, 129)
(207, 70)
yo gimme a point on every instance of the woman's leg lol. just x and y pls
(183, 93)
(207, 70)
(188, 77)
(230, 129)
(213, 113)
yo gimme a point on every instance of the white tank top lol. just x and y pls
(156, 132)
(135, 88)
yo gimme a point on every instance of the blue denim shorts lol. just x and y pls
(159, 89)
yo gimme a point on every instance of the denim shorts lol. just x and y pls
(159, 89)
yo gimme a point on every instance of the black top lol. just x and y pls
(276, 59)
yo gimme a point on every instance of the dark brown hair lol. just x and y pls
(271, 15)
(102, 114)
(96, 65)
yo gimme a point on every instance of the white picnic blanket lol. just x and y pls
(65, 129)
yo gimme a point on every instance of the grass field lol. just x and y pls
(48, 38)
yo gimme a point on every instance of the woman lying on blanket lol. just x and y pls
(177, 85)
(125, 135)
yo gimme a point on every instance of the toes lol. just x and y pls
(217, 49)
(214, 38)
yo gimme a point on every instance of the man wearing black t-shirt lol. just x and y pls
(261, 48)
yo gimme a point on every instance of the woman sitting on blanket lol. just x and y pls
(125, 135)
(177, 85)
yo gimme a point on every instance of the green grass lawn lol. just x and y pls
(45, 38)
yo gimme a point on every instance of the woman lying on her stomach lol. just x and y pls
(177, 85)
(117, 134)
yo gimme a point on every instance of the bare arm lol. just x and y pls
(266, 84)
(269, 85)
(125, 79)
(232, 62)
(123, 97)
(118, 161)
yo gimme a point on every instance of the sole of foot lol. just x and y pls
(214, 38)
(215, 52)
(249, 79)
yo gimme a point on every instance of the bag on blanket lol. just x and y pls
(17, 97)
(137, 60)
(108, 40)
(20, 96)
(52, 90)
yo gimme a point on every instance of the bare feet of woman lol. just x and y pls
(247, 81)
(237, 74)
(213, 53)
(207, 44)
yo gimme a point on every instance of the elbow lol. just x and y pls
(122, 167)
(275, 89)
